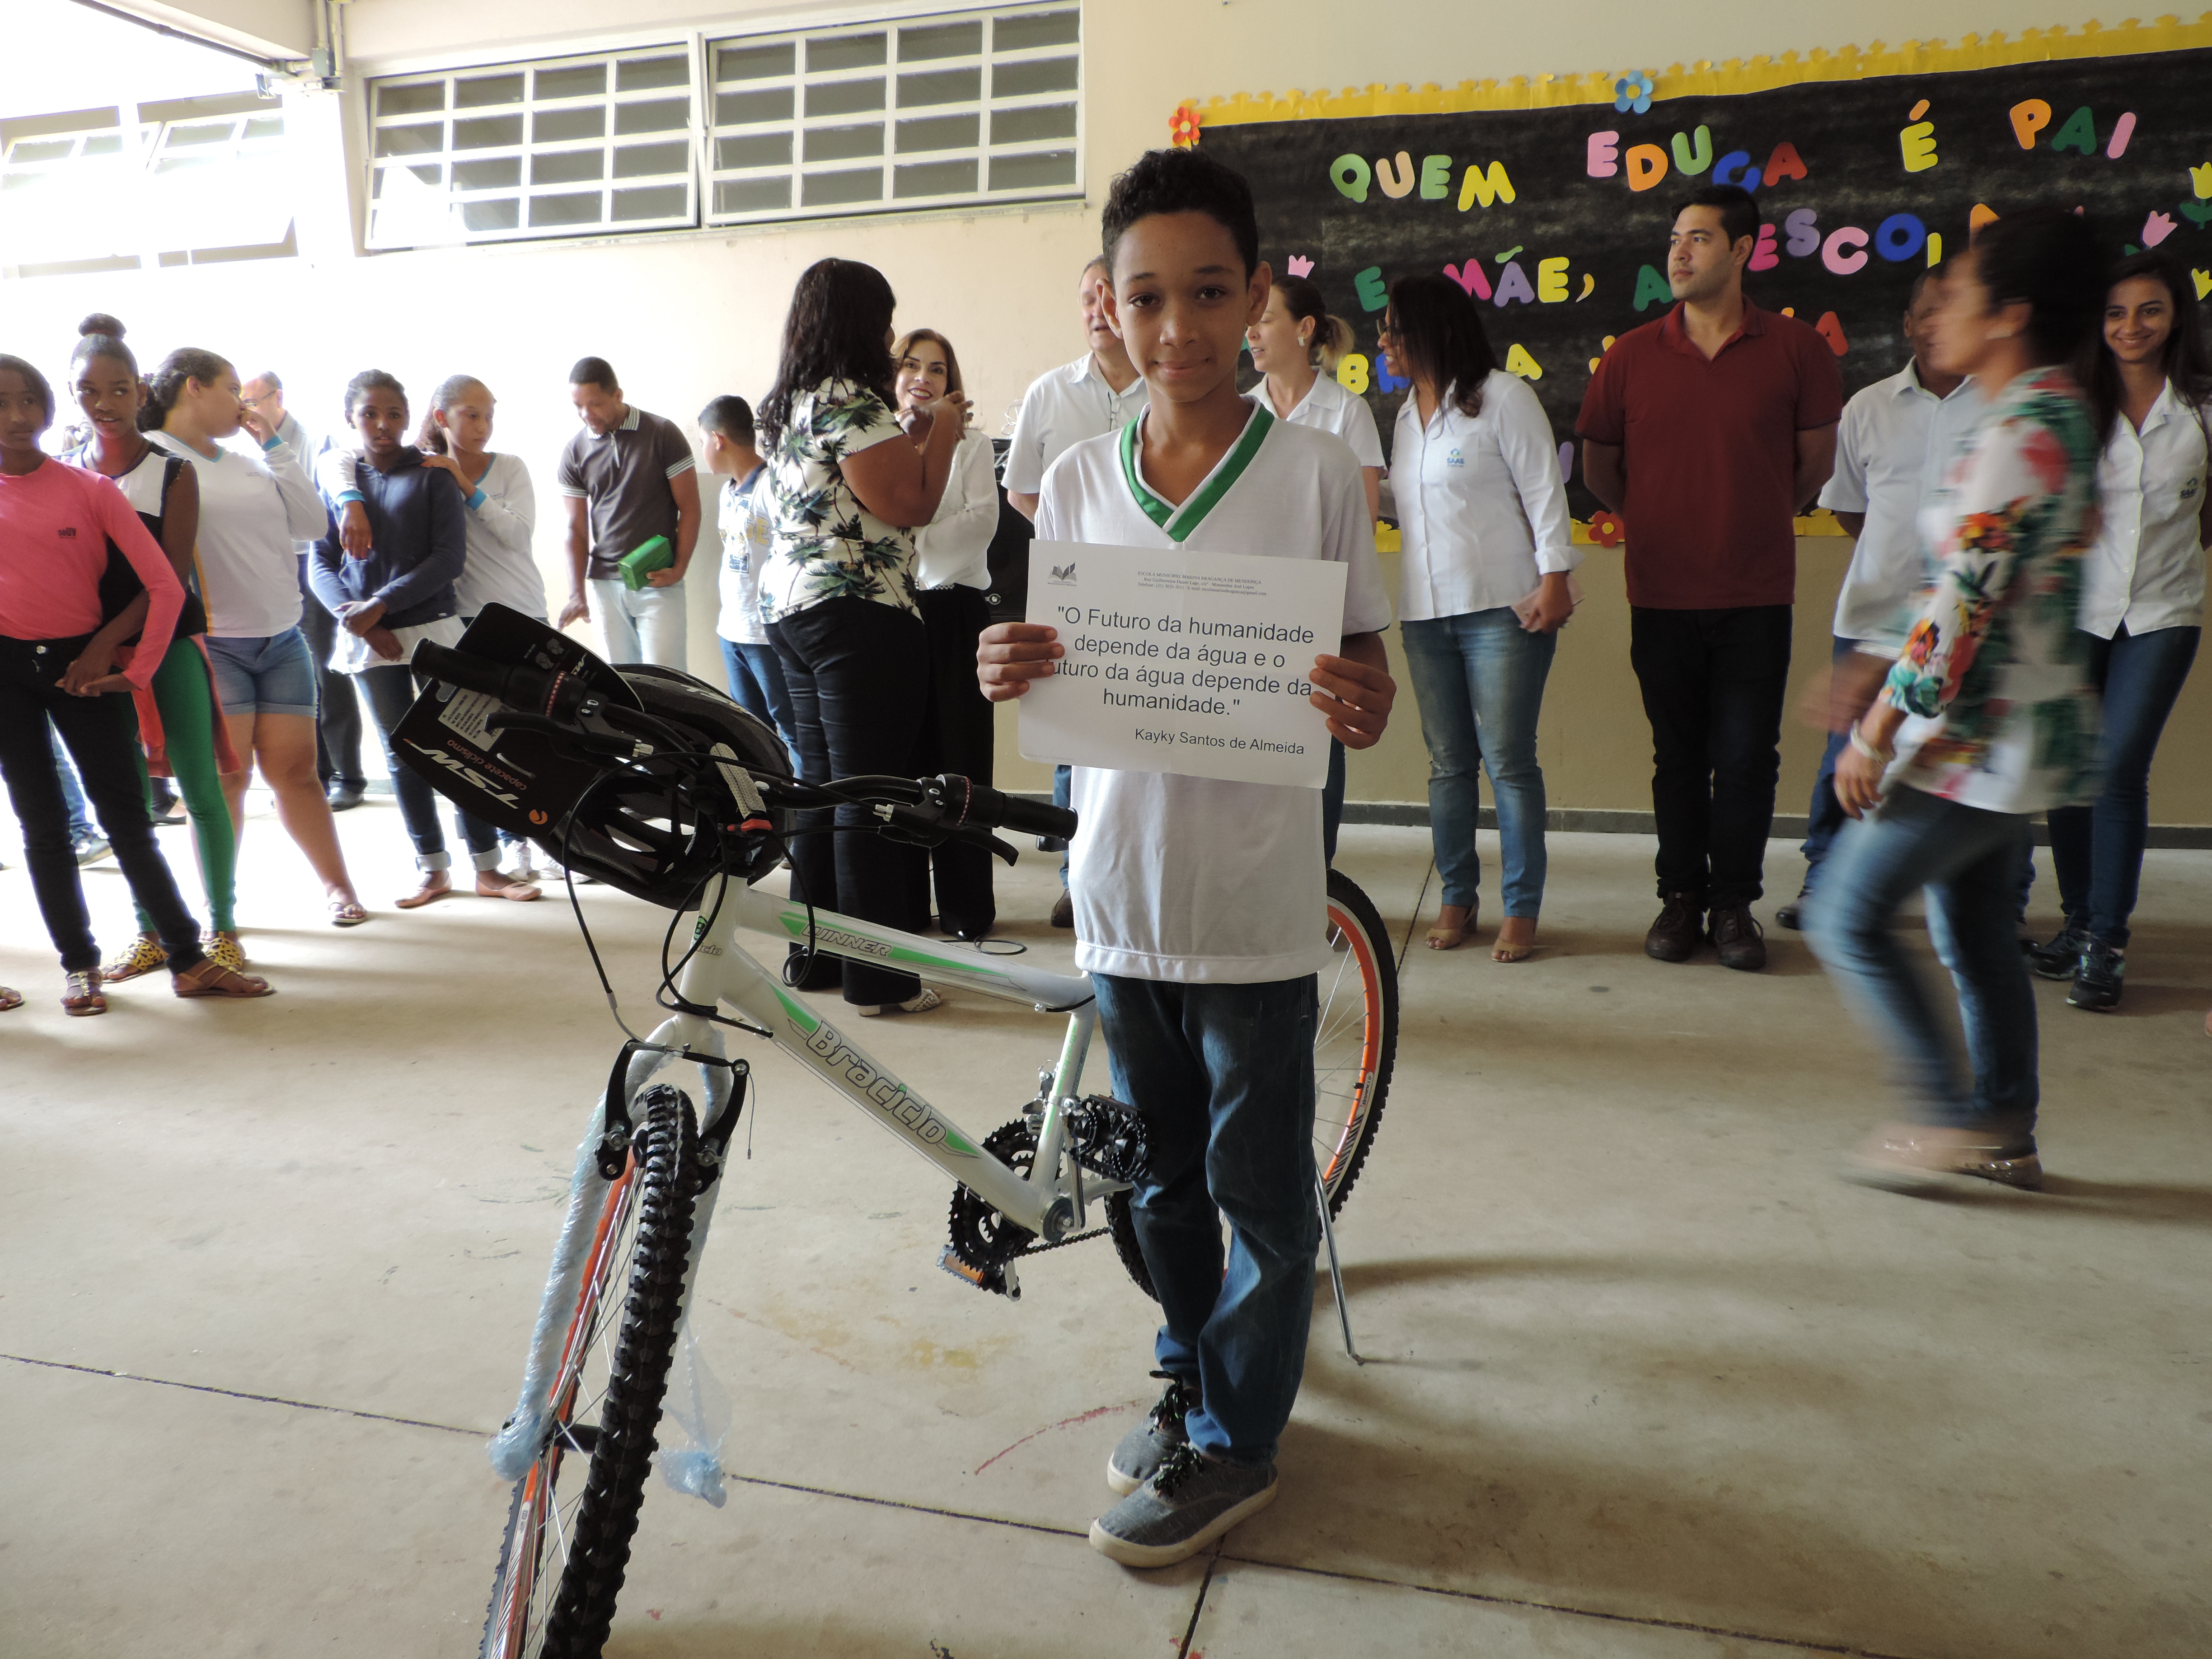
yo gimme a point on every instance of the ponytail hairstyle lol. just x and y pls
(431, 439)
(369, 380)
(1436, 328)
(167, 383)
(2183, 361)
(100, 336)
(1331, 336)
(839, 314)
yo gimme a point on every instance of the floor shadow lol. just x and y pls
(2162, 1203)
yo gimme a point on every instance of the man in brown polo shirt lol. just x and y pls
(1707, 432)
(625, 478)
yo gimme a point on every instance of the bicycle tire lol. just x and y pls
(553, 1595)
(1351, 1073)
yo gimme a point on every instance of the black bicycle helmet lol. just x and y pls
(657, 831)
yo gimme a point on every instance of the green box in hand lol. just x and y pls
(641, 562)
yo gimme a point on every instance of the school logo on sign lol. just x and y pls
(1063, 576)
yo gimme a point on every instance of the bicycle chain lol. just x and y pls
(1014, 1144)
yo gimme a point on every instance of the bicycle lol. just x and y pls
(562, 726)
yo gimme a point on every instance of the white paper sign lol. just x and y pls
(1186, 662)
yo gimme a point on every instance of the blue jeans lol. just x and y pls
(2099, 849)
(79, 826)
(1968, 862)
(1478, 680)
(756, 686)
(1063, 793)
(1224, 1077)
(1332, 801)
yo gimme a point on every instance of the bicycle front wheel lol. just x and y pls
(1355, 1044)
(575, 1511)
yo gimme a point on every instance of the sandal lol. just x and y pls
(497, 883)
(81, 994)
(1504, 950)
(1441, 938)
(436, 885)
(347, 912)
(144, 956)
(914, 1004)
(224, 950)
(209, 978)
(10, 998)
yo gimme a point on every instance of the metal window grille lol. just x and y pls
(564, 147)
(938, 111)
(197, 189)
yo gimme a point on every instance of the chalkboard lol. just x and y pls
(1556, 217)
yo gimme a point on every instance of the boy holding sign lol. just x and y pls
(1199, 902)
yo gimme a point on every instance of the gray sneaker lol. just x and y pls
(1189, 1503)
(1145, 1447)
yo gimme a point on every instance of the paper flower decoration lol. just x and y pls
(1298, 266)
(1182, 127)
(1606, 528)
(2156, 230)
(1633, 92)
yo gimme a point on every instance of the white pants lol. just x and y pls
(644, 625)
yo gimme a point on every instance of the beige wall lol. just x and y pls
(686, 316)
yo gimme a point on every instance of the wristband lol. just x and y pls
(477, 500)
(346, 497)
(269, 443)
(1880, 756)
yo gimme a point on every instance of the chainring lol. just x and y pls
(980, 1234)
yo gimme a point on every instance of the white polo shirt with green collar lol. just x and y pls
(1195, 880)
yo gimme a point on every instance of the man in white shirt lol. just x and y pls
(337, 714)
(1100, 392)
(1891, 449)
(1201, 901)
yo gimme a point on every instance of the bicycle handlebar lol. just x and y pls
(549, 702)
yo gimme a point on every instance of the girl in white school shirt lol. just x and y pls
(2143, 602)
(953, 572)
(1483, 512)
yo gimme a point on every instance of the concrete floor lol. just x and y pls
(1648, 1379)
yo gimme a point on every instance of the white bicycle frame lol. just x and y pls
(1052, 1201)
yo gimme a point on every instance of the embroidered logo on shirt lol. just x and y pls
(68, 532)
(1453, 457)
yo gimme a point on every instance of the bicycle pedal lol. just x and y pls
(1001, 1281)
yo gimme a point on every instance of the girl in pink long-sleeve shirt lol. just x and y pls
(55, 526)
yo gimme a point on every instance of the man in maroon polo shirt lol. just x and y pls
(1707, 431)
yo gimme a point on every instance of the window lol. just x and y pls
(192, 181)
(975, 108)
(569, 147)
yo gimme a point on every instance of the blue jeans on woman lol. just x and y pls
(2099, 849)
(1478, 680)
(1223, 1075)
(1967, 860)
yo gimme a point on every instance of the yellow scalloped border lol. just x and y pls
(1705, 79)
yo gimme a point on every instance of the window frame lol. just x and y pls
(700, 42)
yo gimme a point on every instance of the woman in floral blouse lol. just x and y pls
(1992, 707)
(837, 593)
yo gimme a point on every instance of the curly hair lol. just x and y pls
(1182, 181)
(839, 319)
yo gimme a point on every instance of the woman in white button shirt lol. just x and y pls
(953, 572)
(1483, 512)
(1296, 344)
(2143, 602)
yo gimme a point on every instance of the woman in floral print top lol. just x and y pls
(837, 593)
(1991, 697)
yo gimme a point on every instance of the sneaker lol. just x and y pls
(1145, 1447)
(1906, 1157)
(1738, 937)
(144, 956)
(345, 794)
(2062, 957)
(163, 808)
(1063, 909)
(1674, 937)
(90, 849)
(1190, 1501)
(2097, 981)
(1792, 914)
(224, 950)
